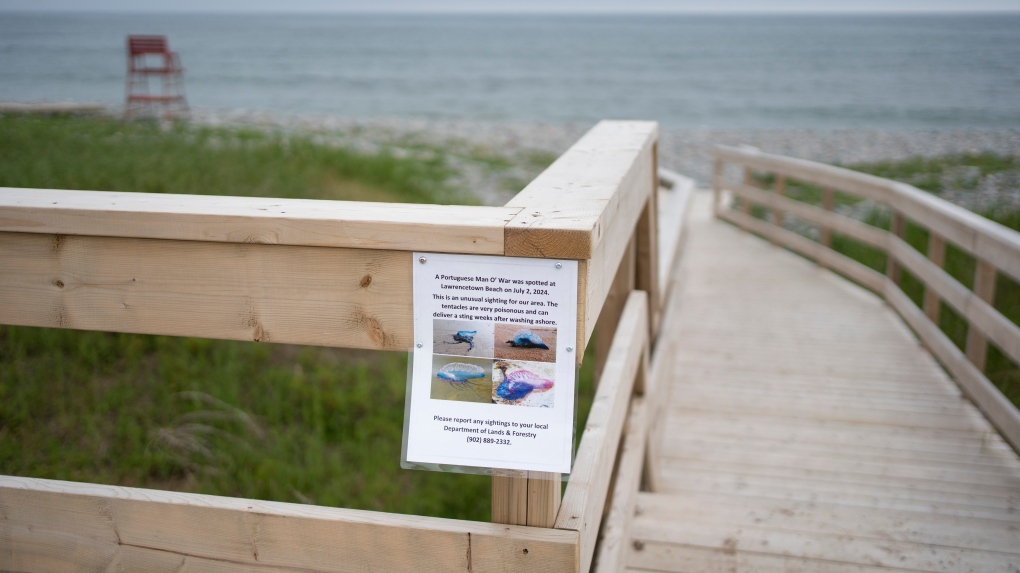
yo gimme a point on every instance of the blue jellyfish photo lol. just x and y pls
(517, 342)
(461, 379)
(523, 383)
(459, 372)
(467, 336)
(525, 338)
(462, 338)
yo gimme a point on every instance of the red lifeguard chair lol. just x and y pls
(149, 57)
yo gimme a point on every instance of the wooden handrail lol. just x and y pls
(985, 239)
(259, 220)
(996, 248)
(586, 492)
(594, 204)
(89, 527)
(202, 267)
(337, 273)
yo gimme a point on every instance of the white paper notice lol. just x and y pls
(493, 377)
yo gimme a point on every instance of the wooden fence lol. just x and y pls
(995, 248)
(336, 273)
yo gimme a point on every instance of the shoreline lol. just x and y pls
(681, 145)
(522, 147)
(687, 151)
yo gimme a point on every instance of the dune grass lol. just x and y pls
(104, 154)
(274, 422)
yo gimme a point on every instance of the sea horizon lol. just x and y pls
(902, 71)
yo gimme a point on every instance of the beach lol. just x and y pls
(832, 88)
(687, 151)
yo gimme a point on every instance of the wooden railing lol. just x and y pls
(995, 248)
(336, 273)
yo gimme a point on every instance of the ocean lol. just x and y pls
(747, 72)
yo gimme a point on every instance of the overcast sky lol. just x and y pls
(540, 6)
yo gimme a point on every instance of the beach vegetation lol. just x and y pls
(243, 419)
(104, 154)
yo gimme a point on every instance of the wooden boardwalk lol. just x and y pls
(808, 430)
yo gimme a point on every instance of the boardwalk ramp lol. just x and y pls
(808, 429)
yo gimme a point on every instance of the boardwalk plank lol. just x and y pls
(808, 430)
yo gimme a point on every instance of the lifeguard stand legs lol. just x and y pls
(169, 103)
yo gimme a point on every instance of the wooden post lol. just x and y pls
(646, 264)
(509, 500)
(898, 228)
(984, 288)
(828, 199)
(50, 525)
(745, 204)
(717, 174)
(532, 500)
(585, 496)
(777, 215)
(825, 232)
(623, 283)
(937, 255)
(544, 494)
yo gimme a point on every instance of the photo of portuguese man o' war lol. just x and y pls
(461, 379)
(462, 338)
(522, 342)
(519, 383)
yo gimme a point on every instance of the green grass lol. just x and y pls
(273, 422)
(962, 172)
(109, 155)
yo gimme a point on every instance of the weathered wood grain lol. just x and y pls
(808, 429)
(354, 298)
(615, 535)
(509, 499)
(586, 205)
(826, 533)
(305, 222)
(545, 492)
(585, 496)
(50, 525)
(601, 182)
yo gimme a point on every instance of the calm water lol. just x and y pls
(715, 71)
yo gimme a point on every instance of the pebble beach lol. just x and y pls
(687, 151)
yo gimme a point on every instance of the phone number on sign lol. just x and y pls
(478, 440)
